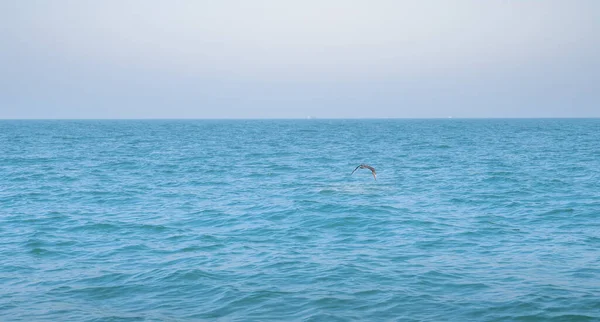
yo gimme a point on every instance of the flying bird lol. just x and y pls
(364, 166)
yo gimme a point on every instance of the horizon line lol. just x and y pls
(311, 118)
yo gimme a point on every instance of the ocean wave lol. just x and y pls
(256, 221)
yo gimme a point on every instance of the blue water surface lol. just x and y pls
(260, 220)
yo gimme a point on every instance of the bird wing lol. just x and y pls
(354, 170)
(372, 170)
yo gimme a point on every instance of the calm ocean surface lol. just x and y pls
(252, 220)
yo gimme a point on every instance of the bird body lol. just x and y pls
(365, 166)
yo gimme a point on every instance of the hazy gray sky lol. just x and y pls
(274, 58)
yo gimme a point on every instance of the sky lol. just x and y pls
(80, 59)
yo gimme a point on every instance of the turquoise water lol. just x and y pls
(469, 220)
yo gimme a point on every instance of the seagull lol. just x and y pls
(364, 166)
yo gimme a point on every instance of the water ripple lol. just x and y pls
(469, 220)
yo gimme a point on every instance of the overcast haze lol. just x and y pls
(293, 59)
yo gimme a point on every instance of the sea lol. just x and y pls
(263, 220)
